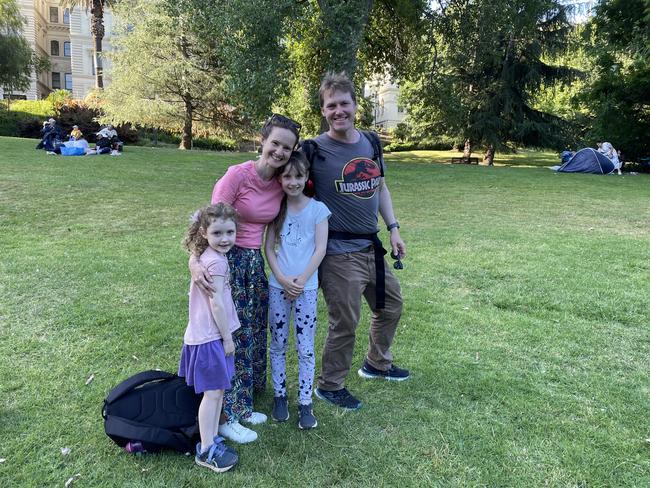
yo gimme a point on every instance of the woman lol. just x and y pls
(253, 189)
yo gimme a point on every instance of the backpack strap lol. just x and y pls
(378, 153)
(135, 381)
(128, 429)
(309, 148)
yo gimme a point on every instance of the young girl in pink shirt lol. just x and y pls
(207, 361)
(253, 189)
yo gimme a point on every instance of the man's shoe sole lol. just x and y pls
(279, 420)
(371, 376)
(332, 403)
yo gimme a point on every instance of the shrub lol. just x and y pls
(440, 144)
(25, 118)
(77, 112)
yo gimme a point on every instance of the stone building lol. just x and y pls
(63, 36)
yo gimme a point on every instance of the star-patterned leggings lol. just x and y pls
(304, 308)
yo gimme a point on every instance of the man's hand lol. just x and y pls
(200, 276)
(397, 244)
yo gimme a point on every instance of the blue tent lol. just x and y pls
(588, 160)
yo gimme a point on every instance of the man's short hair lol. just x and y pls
(336, 82)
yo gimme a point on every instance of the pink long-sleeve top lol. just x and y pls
(257, 201)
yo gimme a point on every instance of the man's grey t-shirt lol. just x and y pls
(348, 181)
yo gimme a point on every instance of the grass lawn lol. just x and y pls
(526, 327)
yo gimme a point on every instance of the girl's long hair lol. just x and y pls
(194, 242)
(299, 162)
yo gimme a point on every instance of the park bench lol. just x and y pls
(464, 160)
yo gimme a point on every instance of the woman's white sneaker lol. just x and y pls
(236, 432)
(255, 418)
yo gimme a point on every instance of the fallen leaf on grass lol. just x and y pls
(2, 460)
(136, 357)
(90, 378)
(72, 480)
(144, 470)
(65, 451)
(647, 440)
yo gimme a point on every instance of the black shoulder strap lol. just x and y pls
(378, 154)
(128, 429)
(309, 148)
(135, 381)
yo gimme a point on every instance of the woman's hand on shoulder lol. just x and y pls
(200, 276)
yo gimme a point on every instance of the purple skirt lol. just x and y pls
(206, 367)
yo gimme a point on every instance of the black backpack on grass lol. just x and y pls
(155, 408)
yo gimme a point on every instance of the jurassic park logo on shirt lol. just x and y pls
(360, 177)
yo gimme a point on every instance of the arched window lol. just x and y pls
(54, 48)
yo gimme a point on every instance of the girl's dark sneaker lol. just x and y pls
(280, 411)
(392, 374)
(217, 457)
(306, 419)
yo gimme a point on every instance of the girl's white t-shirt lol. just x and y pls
(298, 242)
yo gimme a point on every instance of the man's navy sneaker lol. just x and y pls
(341, 398)
(392, 374)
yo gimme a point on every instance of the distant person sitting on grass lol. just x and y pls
(110, 133)
(44, 130)
(608, 150)
(103, 144)
(75, 134)
(52, 138)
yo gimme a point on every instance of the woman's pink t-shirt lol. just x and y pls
(202, 327)
(257, 201)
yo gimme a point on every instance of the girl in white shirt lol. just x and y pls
(295, 246)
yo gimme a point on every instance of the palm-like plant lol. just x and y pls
(96, 8)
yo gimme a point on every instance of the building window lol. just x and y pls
(68, 81)
(56, 81)
(400, 109)
(54, 48)
(66, 16)
(66, 49)
(54, 15)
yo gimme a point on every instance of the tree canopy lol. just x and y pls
(617, 97)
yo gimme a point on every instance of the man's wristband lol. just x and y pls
(394, 225)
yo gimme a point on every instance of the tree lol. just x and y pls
(617, 96)
(17, 59)
(96, 8)
(360, 37)
(164, 76)
(476, 73)
(249, 38)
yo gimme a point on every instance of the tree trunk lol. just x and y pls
(97, 31)
(186, 139)
(489, 156)
(467, 150)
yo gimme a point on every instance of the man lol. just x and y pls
(351, 184)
